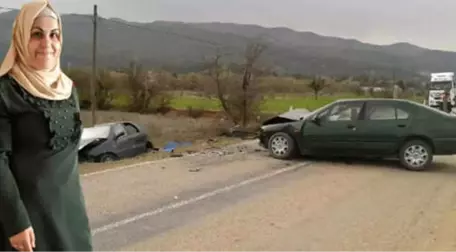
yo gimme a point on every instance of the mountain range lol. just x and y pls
(183, 47)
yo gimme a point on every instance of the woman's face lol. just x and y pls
(45, 45)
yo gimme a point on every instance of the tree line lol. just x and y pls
(239, 88)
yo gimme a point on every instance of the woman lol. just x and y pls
(42, 205)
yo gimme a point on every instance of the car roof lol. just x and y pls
(105, 124)
(114, 123)
(375, 99)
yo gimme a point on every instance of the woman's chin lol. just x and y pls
(45, 67)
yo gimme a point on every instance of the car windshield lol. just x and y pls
(440, 85)
(321, 109)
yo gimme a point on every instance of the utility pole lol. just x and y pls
(93, 82)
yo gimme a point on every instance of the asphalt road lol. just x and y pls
(248, 201)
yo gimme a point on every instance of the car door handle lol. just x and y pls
(401, 125)
(352, 127)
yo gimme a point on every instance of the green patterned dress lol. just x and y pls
(39, 177)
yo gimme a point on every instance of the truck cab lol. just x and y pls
(440, 87)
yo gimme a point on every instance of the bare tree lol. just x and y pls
(252, 54)
(216, 71)
(399, 88)
(234, 88)
(317, 85)
(143, 86)
(356, 89)
(104, 89)
(81, 78)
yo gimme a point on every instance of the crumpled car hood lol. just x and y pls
(84, 142)
(289, 116)
(92, 134)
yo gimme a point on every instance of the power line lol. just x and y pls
(164, 31)
(149, 29)
(145, 28)
(217, 46)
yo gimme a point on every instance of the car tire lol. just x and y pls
(107, 157)
(416, 155)
(282, 146)
(149, 146)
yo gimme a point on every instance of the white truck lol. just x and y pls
(441, 85)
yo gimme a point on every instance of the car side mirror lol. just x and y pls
(316, 120)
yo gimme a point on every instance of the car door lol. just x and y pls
(138, 138)
(335, 130)
(123, 141)
(382, 127)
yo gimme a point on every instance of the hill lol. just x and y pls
(183, 47)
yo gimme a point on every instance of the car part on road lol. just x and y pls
(416, 155)
(171, 146)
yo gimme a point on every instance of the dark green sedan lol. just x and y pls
(379, 128)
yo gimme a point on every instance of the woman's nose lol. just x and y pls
(46, 41)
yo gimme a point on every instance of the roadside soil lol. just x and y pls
(199, 146)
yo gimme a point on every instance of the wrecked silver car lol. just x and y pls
(289, 121)
(113, 141)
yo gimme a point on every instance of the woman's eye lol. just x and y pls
(40, 35)
(37, 35)
(55, 35)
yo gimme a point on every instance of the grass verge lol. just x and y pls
(276, 104)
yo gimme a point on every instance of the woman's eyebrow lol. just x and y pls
(40, 29)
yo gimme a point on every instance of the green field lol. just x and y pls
(276, 105)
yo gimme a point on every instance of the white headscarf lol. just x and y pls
(51, 84)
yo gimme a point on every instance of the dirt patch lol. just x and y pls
(164, 128)
(203, 133)
(198, 146)
(214, 114)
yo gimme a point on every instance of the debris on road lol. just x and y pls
(171, 146)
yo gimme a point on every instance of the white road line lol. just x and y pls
(196, 199)
(141, 164)
(119, 168)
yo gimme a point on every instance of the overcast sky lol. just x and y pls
(428, 23)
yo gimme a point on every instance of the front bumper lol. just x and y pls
(263, 140)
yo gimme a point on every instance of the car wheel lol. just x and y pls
(149, 146)
(416, 155)
(107, 157)
(281, 146)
